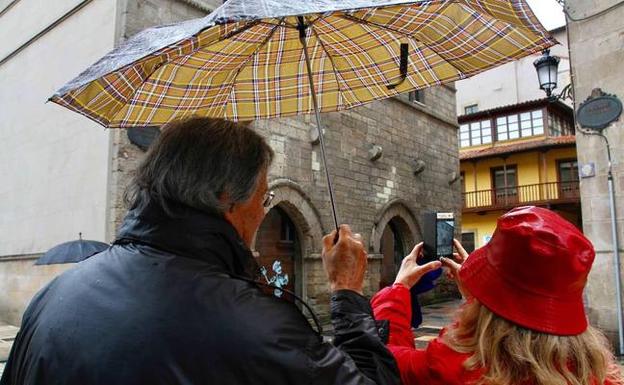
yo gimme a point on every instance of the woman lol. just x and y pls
(524, 320)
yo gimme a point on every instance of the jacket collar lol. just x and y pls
(190, 233)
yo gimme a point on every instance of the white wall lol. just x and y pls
(512, 83)
(53, 162)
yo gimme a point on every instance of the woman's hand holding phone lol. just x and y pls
(410, 272)
(460, 255)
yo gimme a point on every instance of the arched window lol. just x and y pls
(392, 249)
(279, 251)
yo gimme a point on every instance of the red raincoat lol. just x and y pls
(438, 364)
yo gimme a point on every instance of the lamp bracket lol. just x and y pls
(566, 93)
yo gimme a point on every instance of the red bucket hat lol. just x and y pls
(533, 271)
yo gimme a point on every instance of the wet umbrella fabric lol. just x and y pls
(245, 60)
(71, 252)
(253, 59)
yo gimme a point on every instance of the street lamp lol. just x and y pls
(547, 69)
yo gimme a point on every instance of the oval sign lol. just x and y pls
(599, 112)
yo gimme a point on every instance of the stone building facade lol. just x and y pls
(382, 199)
(596, 40)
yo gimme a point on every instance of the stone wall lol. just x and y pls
(20, 280)
(406, 132)
(597, 54)
(139, 15)
(53, 163)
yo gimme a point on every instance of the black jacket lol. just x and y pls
(162, 306)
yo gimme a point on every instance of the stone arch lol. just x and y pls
(295, 202)
(292, 199)
(408, 225)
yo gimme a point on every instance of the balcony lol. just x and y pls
(533, 194)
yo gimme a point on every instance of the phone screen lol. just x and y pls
(444, 233)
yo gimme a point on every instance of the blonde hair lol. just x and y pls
(510, 354)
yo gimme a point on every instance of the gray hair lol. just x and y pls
(204, 163)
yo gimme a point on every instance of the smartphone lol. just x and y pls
(438, 233)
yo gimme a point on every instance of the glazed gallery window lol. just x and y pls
(475, 133)
(520, 125)
(559, 126)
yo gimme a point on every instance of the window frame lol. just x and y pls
(495, 196)
(567, 160)
(471, 109)
(472, 139)
(474, 239)
(519, 123)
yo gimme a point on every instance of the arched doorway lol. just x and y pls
(279, 249)
(393, 249)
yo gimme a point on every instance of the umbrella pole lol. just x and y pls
(302, 27)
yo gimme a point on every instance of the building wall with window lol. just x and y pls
(530, 169)
(523, 155)
(53, 165)
(507, 128)
(532, 177)
(512, 124)
(511, 83)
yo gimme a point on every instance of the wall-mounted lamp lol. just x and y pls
(547, 68)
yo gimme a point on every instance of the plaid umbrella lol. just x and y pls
(247, 60)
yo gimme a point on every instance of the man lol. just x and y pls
(173, 301)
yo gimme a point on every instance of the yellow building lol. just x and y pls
(522, 154)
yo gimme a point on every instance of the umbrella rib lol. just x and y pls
(331, 60)
(462, 73)
(244, 64)
(364, 22)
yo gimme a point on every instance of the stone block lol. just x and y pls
(600, 209)
(600, 234)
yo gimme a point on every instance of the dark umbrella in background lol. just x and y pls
(72, 252)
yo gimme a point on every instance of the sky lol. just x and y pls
(549, 13)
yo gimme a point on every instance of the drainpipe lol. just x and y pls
(616, 251)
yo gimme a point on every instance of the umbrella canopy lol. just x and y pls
(71, 252)
(245, 60)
